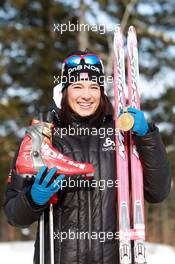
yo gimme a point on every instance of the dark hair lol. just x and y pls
(68, 115)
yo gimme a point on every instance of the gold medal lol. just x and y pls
(125, 121)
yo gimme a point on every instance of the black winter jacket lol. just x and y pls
(89, 209)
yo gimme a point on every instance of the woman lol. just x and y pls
(90, 210)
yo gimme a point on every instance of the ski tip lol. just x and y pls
(118, 36)
(132, 36)
(118, 29)
(132, 30)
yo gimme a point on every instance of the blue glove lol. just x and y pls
(41, 192)
(140, 124)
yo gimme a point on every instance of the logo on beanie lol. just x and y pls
(84, 67)
(84, 75)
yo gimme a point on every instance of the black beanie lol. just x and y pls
(82, 72)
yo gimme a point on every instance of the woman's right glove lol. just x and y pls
(140, 124)
(44, 186)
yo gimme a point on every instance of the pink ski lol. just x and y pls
(136, 167)
(121, 151)
(127, 158)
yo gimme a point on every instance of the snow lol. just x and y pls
(160, 254)
(20, 252)
(16, 252)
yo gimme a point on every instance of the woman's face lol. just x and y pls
(84, 97)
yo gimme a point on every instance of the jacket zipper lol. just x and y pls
(89, 210)
(59, 242)
(90, 226)
(86, 147)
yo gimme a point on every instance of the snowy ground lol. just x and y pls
(22, 252)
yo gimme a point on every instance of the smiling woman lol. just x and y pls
(85, 218)
(84, 97)
(84, 100)
(83, 91)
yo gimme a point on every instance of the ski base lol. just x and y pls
(139, 252)
(125, 252)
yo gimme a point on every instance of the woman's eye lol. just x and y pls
(77, 87)
(95, 87)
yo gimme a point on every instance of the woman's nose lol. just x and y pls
(86, 94)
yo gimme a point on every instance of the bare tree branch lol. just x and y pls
(144, 29)
(127, 13)
(109, 59)
(83, 40)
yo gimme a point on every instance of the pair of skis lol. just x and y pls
(127, 158)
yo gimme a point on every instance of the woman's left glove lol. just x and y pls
(44, 188)
(140, 126)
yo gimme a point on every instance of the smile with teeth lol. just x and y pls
(85, 105)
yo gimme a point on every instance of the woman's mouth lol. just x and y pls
(85, 105)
